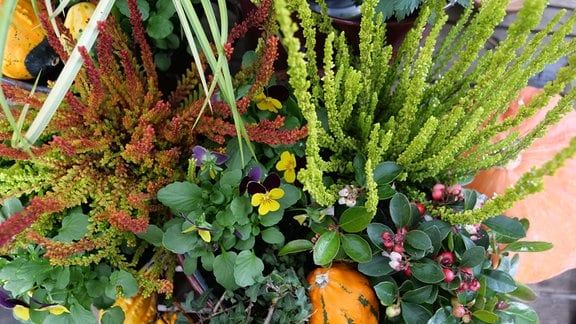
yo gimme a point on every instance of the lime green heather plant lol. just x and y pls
(434, 109)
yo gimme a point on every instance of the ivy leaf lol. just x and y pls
(400, 210)
(224, 270)
(247, 268)
(296, 246)
(356, 248)
(387, 291)
(74, 226)
(181, 196)
(355, 219)
(326, 248)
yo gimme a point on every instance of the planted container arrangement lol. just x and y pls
(255, 196)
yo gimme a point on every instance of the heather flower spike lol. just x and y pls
(287, 164)
(266, 194)
(207, 160)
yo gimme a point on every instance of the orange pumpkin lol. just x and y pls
(340, 294)
(549, 210)
(27, 50)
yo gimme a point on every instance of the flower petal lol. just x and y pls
(267, 206)
(276, 194)
(257, 199)
(271, 181)
(290, 175)
(199, 153)
(22, 312)
(255, 187)
(205, 235)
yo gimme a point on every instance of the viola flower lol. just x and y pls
(287, 164)
(266, 103)
(22, 309)
(254, 175)
(266, 194)
(203, 231)
(207, 160)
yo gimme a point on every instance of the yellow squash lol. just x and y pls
(78, 16)
(27, 50)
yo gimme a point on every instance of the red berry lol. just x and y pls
(437, 194)
(445, 258)
(408, 272)
(448, 275)
(439, 187)
(458, 311)
(421, 208)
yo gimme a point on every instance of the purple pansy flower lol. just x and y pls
(254, 175)
(207, 160)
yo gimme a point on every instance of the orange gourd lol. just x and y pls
(27, 51)
(548, 211)
(340, 294)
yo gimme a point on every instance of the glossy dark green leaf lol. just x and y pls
(523, 292)
(443, 227)
(427, 272)
(473, 257)
(359, 164)
(414, 313)
(419, 240)
(356, 248)
(375, 231)
(518, 313)
(499, 281)
(377, 267)
(526, 246)
(443, 316)
(386, 172)
(387, 292)
(422, 295)
(296, 246)
(385, 191)
(400, 210)
(485, 316)
(355, 219)
(507, 228)
(326, 248)
(470, 197)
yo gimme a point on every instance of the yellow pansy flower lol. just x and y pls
(266, 201)
(264, 102)
(287, 164)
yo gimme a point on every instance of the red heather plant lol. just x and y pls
(115, 141)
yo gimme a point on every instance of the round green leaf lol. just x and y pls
(178, 242)
(247, 268)
(355, 219)
(387, 291)
(356, 248)
(296, 246)
(181, 196)
(272, 235)
(419, 240)
(143, 7)
(113, 315)
(224, 270)
(400, 210)
(159, 27)
(326, 248)
(125, 280)
(429, 272)
(153, 235)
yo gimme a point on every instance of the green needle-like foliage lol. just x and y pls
(434, 106)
